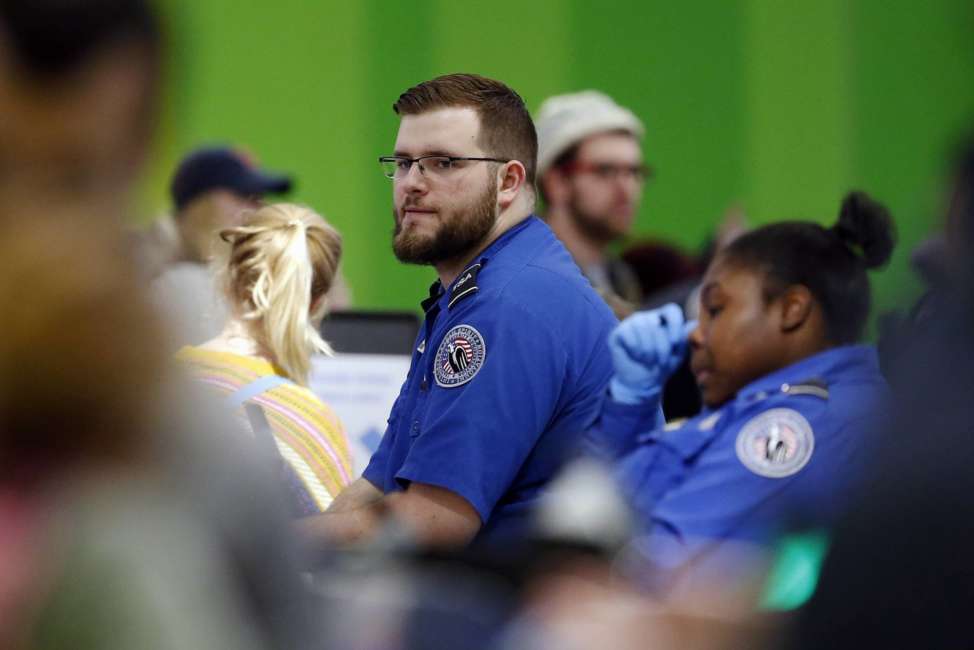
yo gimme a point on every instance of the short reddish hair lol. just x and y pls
(506, 128)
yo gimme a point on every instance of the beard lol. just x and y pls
(600, 228)
(461, 230)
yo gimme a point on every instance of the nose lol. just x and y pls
(414, 181)
(629, 185)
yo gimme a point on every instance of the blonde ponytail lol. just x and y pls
(283, 260)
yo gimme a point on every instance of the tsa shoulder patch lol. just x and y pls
(776, 444)
(460, 356)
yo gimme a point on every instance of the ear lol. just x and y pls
(795, 306)
(511, 178)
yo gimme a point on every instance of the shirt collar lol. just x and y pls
(437, 291)
(845, 360)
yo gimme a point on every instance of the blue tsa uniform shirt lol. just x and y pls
(783, 451)
(508, 370)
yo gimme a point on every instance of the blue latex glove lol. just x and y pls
(646, 348)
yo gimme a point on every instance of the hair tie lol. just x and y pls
(299, 244)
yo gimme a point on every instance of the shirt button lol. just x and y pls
(415, 426)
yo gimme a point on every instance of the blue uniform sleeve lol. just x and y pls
(617, 430)
(762, 472)
(474, 437)
(376, 469)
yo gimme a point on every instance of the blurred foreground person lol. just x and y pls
(591, 176)
(790, 396)
(94, 532)
(899, 571)
(282, 261)
(941, 262)
(120, 529)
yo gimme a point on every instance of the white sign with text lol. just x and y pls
(361, 389)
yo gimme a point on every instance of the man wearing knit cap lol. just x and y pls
(591, 176)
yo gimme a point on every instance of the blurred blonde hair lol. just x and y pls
(282, 261)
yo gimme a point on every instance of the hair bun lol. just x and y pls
(867, 228)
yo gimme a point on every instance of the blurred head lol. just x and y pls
(660, 265)
(446, 210)
(81, 355)
(590, 163)
(78, 90)
(200, 223)
(211, 190)
(282, 261)
(785, 291)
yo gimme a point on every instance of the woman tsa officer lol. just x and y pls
(790, 397)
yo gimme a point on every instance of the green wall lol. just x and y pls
(777, 106)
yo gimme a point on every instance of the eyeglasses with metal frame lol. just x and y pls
(437, 166)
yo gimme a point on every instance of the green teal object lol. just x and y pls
(794, 574)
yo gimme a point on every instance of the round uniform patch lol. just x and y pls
(776, 444)
(459, 357)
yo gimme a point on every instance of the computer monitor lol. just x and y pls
(371, 332)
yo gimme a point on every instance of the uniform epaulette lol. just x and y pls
(466, 285)
(815, 387)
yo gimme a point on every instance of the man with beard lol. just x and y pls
(591, 175)
(511, 363)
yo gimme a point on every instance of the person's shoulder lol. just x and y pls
(189, 354)
(198, 360)
(552, 300)
(776, 432)
(532, 283)
(534, 252)
(305, 394)
(855, 391)
(551, 287)
(810, 398)
(775, 437)
(305, 403)
(798, 405)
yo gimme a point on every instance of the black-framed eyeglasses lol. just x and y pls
(436, 166)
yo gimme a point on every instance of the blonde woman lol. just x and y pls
(282, 261)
